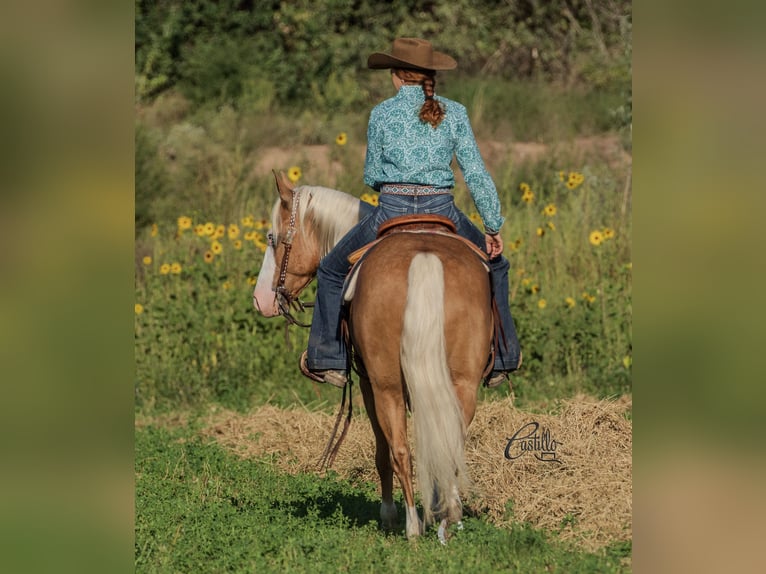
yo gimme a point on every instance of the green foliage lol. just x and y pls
(150, 179)
(199, 509)
(313, 53)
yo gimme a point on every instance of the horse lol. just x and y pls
(421, 326)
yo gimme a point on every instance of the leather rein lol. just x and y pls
(286, 300)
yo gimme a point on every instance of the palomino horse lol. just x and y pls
(421, 326)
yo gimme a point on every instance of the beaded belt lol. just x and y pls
(412, 189)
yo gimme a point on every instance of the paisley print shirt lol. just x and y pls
(402, 149)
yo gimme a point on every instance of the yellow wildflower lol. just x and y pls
(184, 223)
(260, 244)
(233, 231)
(517, 243)
(139, 308)
(341, 138)
(526, 281)
(164, 269)
(542, 303)
(574, 179)
(552, 226)
(219, 232)
(237, 244)
(250, 235)
(262, 224)
(155, 230)
(627, 361)
(252, 280)
(209, 228)
(524, 187)
(562, 175)
(247, 221)
(540, 231)
(596, 238)
(216, 247)
(175, 268)
(608, 233)
(535, 288)
(294, 173)
(199, 230)
(226, 285)
(147, 260)
(587, 297)
(528, 197)
(549, 210)
(570, 302)
(475, 217)
(209, 256)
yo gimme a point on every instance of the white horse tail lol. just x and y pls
(437, 417)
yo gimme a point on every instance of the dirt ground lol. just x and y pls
(320, 169)
(581, 489)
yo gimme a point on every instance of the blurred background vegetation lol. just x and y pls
(225, 91)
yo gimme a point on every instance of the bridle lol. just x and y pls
(285, 299)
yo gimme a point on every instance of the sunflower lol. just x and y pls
(216, 247)
(175, 268)
(226, 285)
(164, 269)
(535, 288)
(368, 198)
(262, 224)
(549, 210)
(209, 228)
(233, 231)
(139, 308)
(199, 230)
(542, 303)
(209, 256)
(184, 223)
(147, 260)
(570, 302)
(608, 233)
(250, 235)
(341, 138)
(596, 238)
(552, 226)
(574, 179)
(294, 173)
(247, 221)
(252, 281)
(540, 232)
(562, 176)
(237, 244)
(528, 196)
(261, 244)
(155, 230)
(219, 232)
(524, 187)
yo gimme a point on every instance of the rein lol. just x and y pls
(285, 299)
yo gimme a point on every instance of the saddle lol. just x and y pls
(415, 223)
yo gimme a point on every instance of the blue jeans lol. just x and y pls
(327, 349)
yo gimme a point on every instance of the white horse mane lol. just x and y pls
(331, 212)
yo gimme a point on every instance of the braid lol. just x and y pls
(432, 111)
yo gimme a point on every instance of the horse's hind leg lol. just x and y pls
(392, 417)
(388, 513)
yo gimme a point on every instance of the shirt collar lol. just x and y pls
(411, 93)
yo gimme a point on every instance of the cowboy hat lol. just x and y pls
(411, 53)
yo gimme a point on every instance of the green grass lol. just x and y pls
(201, 509)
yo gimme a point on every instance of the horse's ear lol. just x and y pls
(283, 186)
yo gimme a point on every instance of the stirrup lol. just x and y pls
(497, 378)
(335, 378)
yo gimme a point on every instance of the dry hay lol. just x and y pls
(586, 498)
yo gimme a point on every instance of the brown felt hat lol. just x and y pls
(411, 53)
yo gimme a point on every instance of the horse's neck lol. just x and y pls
(334, 213)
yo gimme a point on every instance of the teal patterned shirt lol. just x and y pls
(402, 149)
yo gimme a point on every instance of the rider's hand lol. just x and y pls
(494, 245)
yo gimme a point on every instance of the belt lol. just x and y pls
(413, 189)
